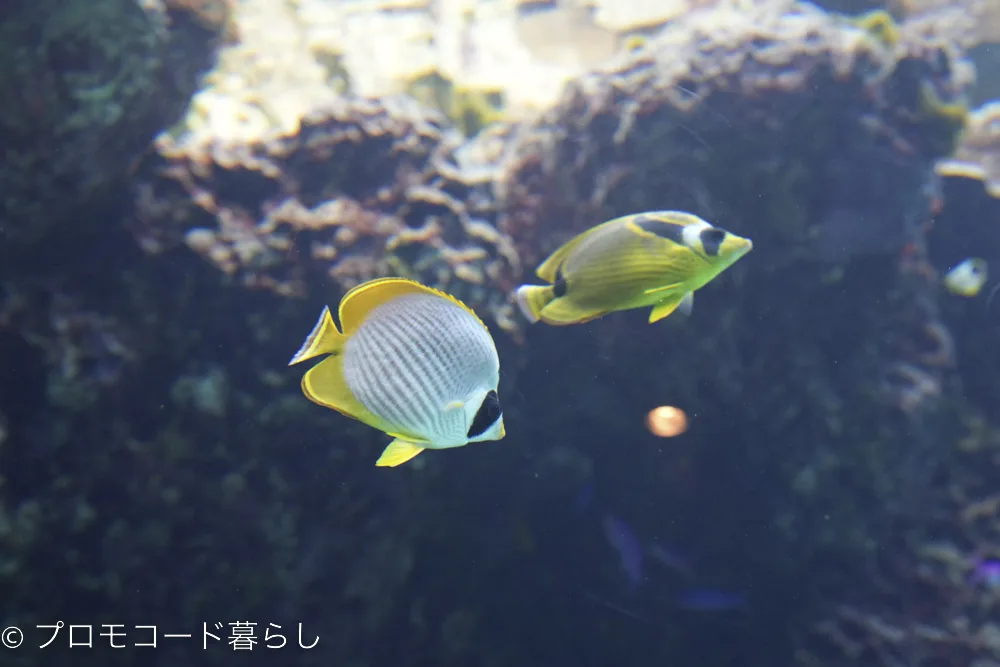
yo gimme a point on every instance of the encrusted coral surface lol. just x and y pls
(932, 599)
(718, 98)
(364, 189)
(302, 52)
(400, 194)
(969, 22)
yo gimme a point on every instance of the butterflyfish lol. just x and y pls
(967, 277)
(653, 259)
(409, 360)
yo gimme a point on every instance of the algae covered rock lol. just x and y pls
(86, 86)
(783, 122)
(364, 189)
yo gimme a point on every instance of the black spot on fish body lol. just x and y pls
(668, 230)
(559, 287)
(487, 415)
(711, 241)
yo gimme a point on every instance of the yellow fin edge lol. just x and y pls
(404, 286)
(323, 339)
(397, 453)
(665, 308)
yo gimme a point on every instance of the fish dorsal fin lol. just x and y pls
(669, 225)
(549, 269)
(363, 299)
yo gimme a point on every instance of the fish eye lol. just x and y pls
(487, 415)
(711, 240)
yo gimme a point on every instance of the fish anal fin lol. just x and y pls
(665, 308)
(363, 299)
(325, 384)
(562, 311)
(397, 453)
(323, 339)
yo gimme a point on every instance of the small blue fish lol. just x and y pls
(705, 599)
(629, 549)
(986, 572)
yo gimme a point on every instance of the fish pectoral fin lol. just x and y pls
(397, 453)
(454, 405)
(665, 308)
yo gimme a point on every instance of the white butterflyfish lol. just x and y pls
(411, 361)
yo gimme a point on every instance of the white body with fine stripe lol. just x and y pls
(423, 365)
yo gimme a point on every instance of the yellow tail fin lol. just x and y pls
(532, 298)
(323, 339)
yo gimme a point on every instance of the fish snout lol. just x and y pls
(741, 246)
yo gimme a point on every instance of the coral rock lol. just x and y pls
(720, 96)
(970, 22)
(363, 189)
(87, 86)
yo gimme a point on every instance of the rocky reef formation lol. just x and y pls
(86, 88)
(931, 592)
(825, 362)
(725, 87)
(932, 599)
(364, 189)
(971, 22)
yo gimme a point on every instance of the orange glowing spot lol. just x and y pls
(666, 421)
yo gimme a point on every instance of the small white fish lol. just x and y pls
(411, 361)
(967, 277)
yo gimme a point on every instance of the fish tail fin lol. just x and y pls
(532, 298)
(323, 339)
